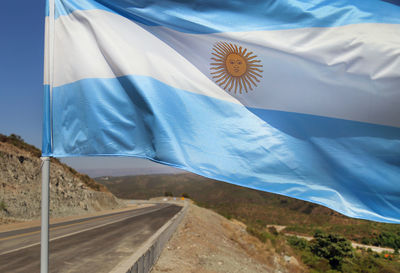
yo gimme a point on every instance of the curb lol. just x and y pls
(146, 256)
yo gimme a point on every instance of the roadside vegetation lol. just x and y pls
(333, 253)
(363, 232)
(330, 253)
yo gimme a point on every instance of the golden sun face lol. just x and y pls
(235, 65)
(234, 68)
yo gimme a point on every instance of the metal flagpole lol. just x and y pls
(44, 235)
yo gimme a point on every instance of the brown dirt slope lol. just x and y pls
(71, 193)
(206, 242)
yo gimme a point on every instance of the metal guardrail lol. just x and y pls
(146, 256)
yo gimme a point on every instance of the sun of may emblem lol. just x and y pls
(234, 68)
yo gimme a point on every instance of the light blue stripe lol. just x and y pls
(322, 160)
(46, 8)
(231, 16)
(46, 133)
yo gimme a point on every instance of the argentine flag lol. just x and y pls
(295, 97)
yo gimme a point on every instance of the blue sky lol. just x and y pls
(21, 86)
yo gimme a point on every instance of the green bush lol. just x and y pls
(185, 195)
(389, 239)
(334, 248)
(298, 243)
(263, 236)
(227, 216)
(3, 205)
(273, 231)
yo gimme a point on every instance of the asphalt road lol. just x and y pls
(95, 244)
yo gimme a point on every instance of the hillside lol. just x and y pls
(71, 193)
(229, 200)
(255, 208)
(206, 242)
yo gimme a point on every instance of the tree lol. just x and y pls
(168, 193)
(334, 248)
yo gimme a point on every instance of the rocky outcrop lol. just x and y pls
(71, 193)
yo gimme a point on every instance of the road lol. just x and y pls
(94, 244)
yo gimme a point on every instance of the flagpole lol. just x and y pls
(44, 234)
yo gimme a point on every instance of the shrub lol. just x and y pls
(334, 248)
(273, 231)
(261, 235)
(3, 205)
(168, 194)
(365, 241)
(227, 216)
(298, 243)
(185, 195)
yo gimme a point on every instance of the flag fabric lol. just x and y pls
(295, 97)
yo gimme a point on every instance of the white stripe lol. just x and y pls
(349, 72)
(98, 44)
(46, 53)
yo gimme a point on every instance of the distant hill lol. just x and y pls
(250, 206)
(20, 185)
(230, 199)
(154, 169)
